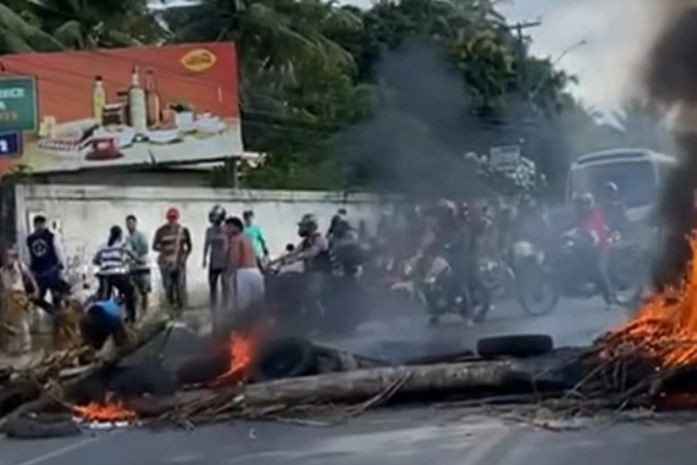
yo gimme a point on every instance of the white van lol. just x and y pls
(639, 174)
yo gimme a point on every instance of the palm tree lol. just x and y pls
(20, 30)
(80, 24)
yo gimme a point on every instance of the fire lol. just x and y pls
(240, 349)
(111, 410)
(665, 327)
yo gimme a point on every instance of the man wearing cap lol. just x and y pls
(173, 243)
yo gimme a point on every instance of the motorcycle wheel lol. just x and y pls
(625, 273)
(536, 291)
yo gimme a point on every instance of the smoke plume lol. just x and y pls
(671, 82)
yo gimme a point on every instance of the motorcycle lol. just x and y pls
(292, 302)
(542, 278)
(435, 289)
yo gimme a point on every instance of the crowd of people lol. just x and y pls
(420, 237)
(235, 255)
(469, 238)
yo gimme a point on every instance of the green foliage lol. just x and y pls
(316, 100)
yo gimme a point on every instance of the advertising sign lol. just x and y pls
(132, 106)
(505, 157)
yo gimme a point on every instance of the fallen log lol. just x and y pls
(363, 384)
(367, 387)
(53, 395)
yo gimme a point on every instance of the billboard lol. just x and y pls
(132, 106)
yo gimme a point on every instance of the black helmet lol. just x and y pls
(308, 224)
(217, 214)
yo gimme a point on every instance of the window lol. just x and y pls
(636, 180)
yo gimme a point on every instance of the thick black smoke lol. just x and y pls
(416, 142)
(672, 84)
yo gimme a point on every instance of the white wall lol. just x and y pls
(85, 213)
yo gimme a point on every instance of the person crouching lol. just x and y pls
(103, 320)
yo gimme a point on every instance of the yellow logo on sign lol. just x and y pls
(199, 60)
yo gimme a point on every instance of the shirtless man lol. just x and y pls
(245, 280)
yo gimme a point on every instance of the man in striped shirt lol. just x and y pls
(113, 260)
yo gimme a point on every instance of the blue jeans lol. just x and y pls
(50, 281)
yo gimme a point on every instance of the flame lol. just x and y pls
(240, 350)
(665, 327)
(110, 410)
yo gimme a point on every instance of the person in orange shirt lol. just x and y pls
(245, 280)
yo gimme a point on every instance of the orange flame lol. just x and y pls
(240, 349)
(110, 410)
(665, 327)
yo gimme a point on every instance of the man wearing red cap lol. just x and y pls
(173, 242)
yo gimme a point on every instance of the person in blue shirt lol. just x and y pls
(102, 320)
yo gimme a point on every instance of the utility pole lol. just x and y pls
(519, 29)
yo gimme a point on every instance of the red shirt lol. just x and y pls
(596, 225)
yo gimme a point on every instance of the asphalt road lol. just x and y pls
(400, 437)
(573, 323)
(403, 437)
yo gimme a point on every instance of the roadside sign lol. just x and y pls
(505, 157)
(10, 144)
(17, 103)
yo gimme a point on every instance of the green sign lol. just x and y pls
(17, 103)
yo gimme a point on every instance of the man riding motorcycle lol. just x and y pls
(313, 251)
(614, 208)
(591, 237)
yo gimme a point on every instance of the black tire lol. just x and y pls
(28, 428)
(289, 357)
(535, 289)
(525, 345)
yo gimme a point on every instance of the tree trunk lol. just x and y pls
(47, 400)
(364, 384)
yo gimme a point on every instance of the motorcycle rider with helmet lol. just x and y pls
(313, 251)
(592, 235)
(614, 208)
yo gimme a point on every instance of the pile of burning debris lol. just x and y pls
(650, 362)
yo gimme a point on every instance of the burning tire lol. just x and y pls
(525, 345)
(285, 358)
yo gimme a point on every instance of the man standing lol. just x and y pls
(215, 254)
(140, 267)
(46, 265)
(16, 288)
(243, 272)
(173, 243)
(253, 232)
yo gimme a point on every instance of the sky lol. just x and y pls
(617, 35)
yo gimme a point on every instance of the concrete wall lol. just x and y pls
(84, 214)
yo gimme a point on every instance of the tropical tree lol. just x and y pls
(83, 24)
(20, 30)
